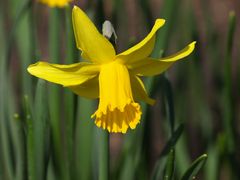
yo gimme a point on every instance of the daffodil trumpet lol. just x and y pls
(113, 78)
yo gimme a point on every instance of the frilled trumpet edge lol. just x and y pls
(118, 121)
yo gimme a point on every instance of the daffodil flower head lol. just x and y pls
(56, 3)
(113, 78)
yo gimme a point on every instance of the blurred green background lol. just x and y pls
(46, 131)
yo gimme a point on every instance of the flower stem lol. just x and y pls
(103, 160)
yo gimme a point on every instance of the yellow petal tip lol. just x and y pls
(75, 8)
(160, 21)
(193, 43)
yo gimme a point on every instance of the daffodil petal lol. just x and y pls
(89, 89)
(95, 46)
(142, 49)
(151, 67)
(66, 75)
(139, 91)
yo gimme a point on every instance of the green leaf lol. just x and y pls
(173, 140)
(83, 142)
(195, 167)
(41, 130)
(228, 100)
(30, 139)
(167, 150)
(169, 169)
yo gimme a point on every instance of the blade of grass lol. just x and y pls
(6, 159)
(41, 130)
(168, 12)
(16, 133)
(19, 147)
(228, 98)
(69, 110)
(2, 75)
(25, 40)
(162, 160)
(30, 139)
(54, 97)
(212, 165)
(169, 169)
(83, 140)
(168, 101)
(195, 167)
(19, 15)
(3, 165)
(147, 12)
(228, 101)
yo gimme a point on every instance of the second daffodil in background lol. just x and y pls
(113, 78)
(56, 3)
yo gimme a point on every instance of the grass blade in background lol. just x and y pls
(30, 139)
(16, 133)
(12, 128)
(169, 9)
(54, 97)
(25, 41)
(84, 138)
(168, 101)
(41, 130)
(69, 98)
(228, 101)
(5, 161)
(195, 167)
(169, 169)
(212, 165)
(162, 160)
(228, 98)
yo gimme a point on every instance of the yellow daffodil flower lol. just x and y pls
(113, 78)
(56, 3)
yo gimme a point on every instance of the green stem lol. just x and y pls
(103, 161)
(5, 163)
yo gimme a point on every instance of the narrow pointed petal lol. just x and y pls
(66, 75)
(89, 89)
(139, 91)
(94, 46)
(151, 67)
(142, 49)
